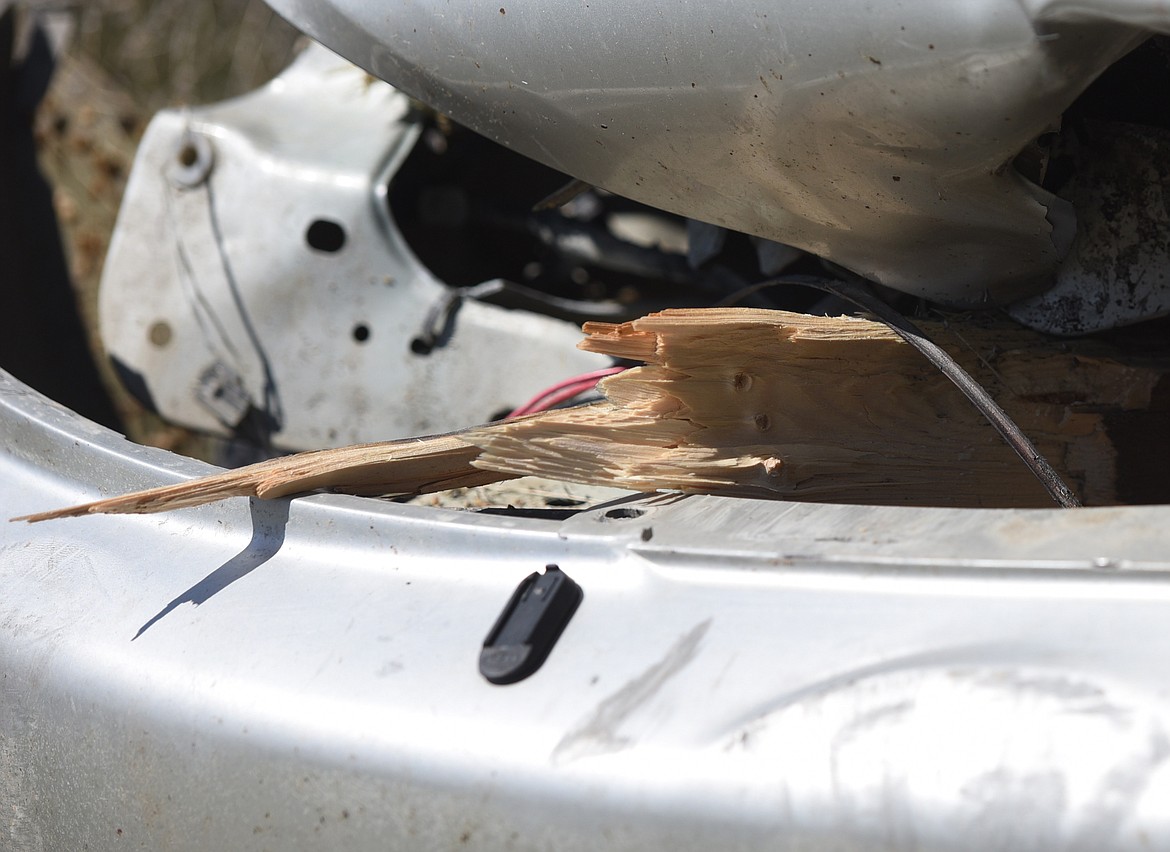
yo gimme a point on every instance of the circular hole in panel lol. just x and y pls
(325, 235)
(160, 333)
(624, 513)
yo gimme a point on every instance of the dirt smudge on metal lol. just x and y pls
(600, 731)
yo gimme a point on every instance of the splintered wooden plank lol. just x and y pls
(776, 404)
(758, 403)
(813, 408)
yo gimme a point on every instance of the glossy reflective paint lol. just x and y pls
(877, 135)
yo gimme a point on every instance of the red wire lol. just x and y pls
(563, 390)
(565, 393)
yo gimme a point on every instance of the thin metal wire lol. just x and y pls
(862, 295)
(562, 196)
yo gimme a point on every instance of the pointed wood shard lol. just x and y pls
(413, 466)
(757, 403)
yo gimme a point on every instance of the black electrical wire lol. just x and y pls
(861, 294)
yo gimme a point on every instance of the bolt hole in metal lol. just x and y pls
(193, 161)
(361, 332)
(623, 513)
(188, 155)
(325, 235)
(160, 333)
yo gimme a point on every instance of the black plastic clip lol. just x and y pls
(529, 626)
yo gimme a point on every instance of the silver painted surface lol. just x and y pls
(741, 675)
(878, 135)
(212, 296)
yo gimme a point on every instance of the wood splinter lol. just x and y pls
(756, 403)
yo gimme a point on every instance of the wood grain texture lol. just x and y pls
(413, 466)
(758, 403)
(770, 403)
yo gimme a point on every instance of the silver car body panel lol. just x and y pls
(740, 675)
(877, 135)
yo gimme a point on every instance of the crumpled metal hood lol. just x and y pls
(879, 135)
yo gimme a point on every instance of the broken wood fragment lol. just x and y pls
(412, 466)
(748, 402)
(769, 403)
